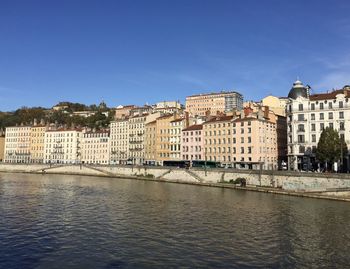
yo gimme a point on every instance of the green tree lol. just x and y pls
(330, 146)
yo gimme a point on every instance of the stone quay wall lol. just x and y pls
(285, 180)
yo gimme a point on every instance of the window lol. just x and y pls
(301, 108)
(321, 116)
(341, 115)
(342, 126)
(330, 105)
(301, 128)
(313, 138)
(330, 115)
(321, 126)
(341, 104)
(301, 139)
(312, 106)
(301, 149)
(312, 116)
(321, 105)
(313, 127)
(331, 125)
(300, 117)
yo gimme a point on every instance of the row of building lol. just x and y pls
(216, 127)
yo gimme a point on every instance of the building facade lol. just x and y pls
(199, 105)
(150, 143)
(307, 116)
(218, 139)
(95, 147)
(176, 127)
(192, 143)
(62, 146)
(37, 141)
(119, 141)
(17, 144)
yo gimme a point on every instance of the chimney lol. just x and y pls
(187, 119)
(266, 112)
(35, 123)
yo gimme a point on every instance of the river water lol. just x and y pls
(55, 221)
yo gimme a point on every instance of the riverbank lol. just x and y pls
(320, 186)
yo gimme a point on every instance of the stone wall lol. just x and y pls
(293, 181)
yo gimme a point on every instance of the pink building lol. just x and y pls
(192, 143)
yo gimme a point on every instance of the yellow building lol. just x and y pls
(2, 147)
(37, 142)
(164, 131)
(275, 104)
(217, 139)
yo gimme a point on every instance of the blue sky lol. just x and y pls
(133, 52)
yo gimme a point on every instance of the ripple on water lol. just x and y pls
(56, 221)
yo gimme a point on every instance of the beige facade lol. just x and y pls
(119, 141)
(218, 139)
(150, 142)
(203, 104)
(95, 147)
(2, 148)
(164, 146)
(123, 111)
(17, 144)
(37, 140)
(63, 146)
(137, 136)
(275, 104)
(254, 140)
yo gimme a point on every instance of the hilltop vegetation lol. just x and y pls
(64, 116)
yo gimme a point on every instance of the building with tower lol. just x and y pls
(307, 116)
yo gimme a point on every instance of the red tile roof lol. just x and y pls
(194, 127)
(329, 95)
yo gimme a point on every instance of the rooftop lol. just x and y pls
(194, 127)
(329, 95)
(214, 93)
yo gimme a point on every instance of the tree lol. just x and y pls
(330, 146)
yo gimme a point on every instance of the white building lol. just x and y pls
(119, 141)
(63, 146)
(17, 144)
(307, 116)
(95, 147)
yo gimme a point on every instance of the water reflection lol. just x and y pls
(55, 221)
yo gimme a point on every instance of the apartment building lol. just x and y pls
(2, 146)
(192, 143)
(175, 134)
(254, 140)
(218, 139)
(137, 136)
(212, 103)
(150, 143)
(307, 116)
(95, 147)
(119, 141)
(37, 141)
(63, 146)
(168, 138)
(17, 144)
